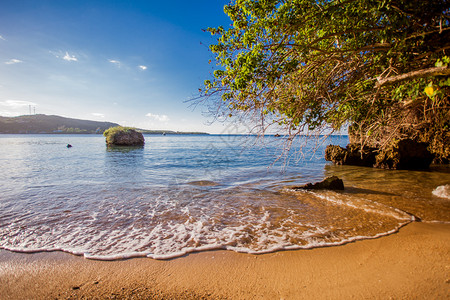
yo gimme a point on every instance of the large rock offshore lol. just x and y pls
(121, 136)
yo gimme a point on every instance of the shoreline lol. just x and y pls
(209, 248)
(412, 263)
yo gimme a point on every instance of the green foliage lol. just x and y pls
(438, 87)
(74, 130)
(116, 129)
(315, 64)
(112, 131)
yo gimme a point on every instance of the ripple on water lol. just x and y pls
(167, 223)
(188, 193)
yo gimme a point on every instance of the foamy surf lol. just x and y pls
(442, 191)
(180, 195)
(190, 219)
(127, 255)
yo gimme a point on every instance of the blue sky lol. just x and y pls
(130, 62)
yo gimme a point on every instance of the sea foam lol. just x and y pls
(179, 195)
(442, 191)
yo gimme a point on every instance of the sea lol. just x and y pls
(188, 193)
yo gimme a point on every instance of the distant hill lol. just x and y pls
(51, 124)
(57, 124)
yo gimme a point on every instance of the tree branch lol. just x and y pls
(436, 71)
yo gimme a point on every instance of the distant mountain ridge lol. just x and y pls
(57, 124)
(51, 124)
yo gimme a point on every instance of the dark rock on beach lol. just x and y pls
(329, 183)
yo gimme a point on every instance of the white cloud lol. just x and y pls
(2, 38)
(69, 57)
(99, 115)
(13, 61)
(5, 113)
(160, 118)
(116, 62)
(15, 104)
(10, 108)
(143, 68)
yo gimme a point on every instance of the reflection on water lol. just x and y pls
(124, 149)
(124, 163)
(180, 194)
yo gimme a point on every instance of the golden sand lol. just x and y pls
(411, 264)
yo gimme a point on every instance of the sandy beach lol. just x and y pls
(411, 264)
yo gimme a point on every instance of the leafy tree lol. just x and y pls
(380, 66)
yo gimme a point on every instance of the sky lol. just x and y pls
(132, 62)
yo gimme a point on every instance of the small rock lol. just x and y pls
(330, 183)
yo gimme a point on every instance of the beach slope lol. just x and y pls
(411, 264)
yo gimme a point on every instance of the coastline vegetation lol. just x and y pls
(377, 68)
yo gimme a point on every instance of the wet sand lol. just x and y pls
(411, 264)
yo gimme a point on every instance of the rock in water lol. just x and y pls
(352, 155)
(329, 183)
(364, 157)
(123, 136)
(405, 154)
(336, 154)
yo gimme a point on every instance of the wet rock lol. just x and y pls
(353, 155)
(122, 136)
(336, 154)
(329, 183)
(357, 156)
(405, 154)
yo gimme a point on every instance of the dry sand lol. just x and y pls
(412, 264)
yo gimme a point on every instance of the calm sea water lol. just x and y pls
(180, 194)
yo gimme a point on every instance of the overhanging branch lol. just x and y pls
(436, 71)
